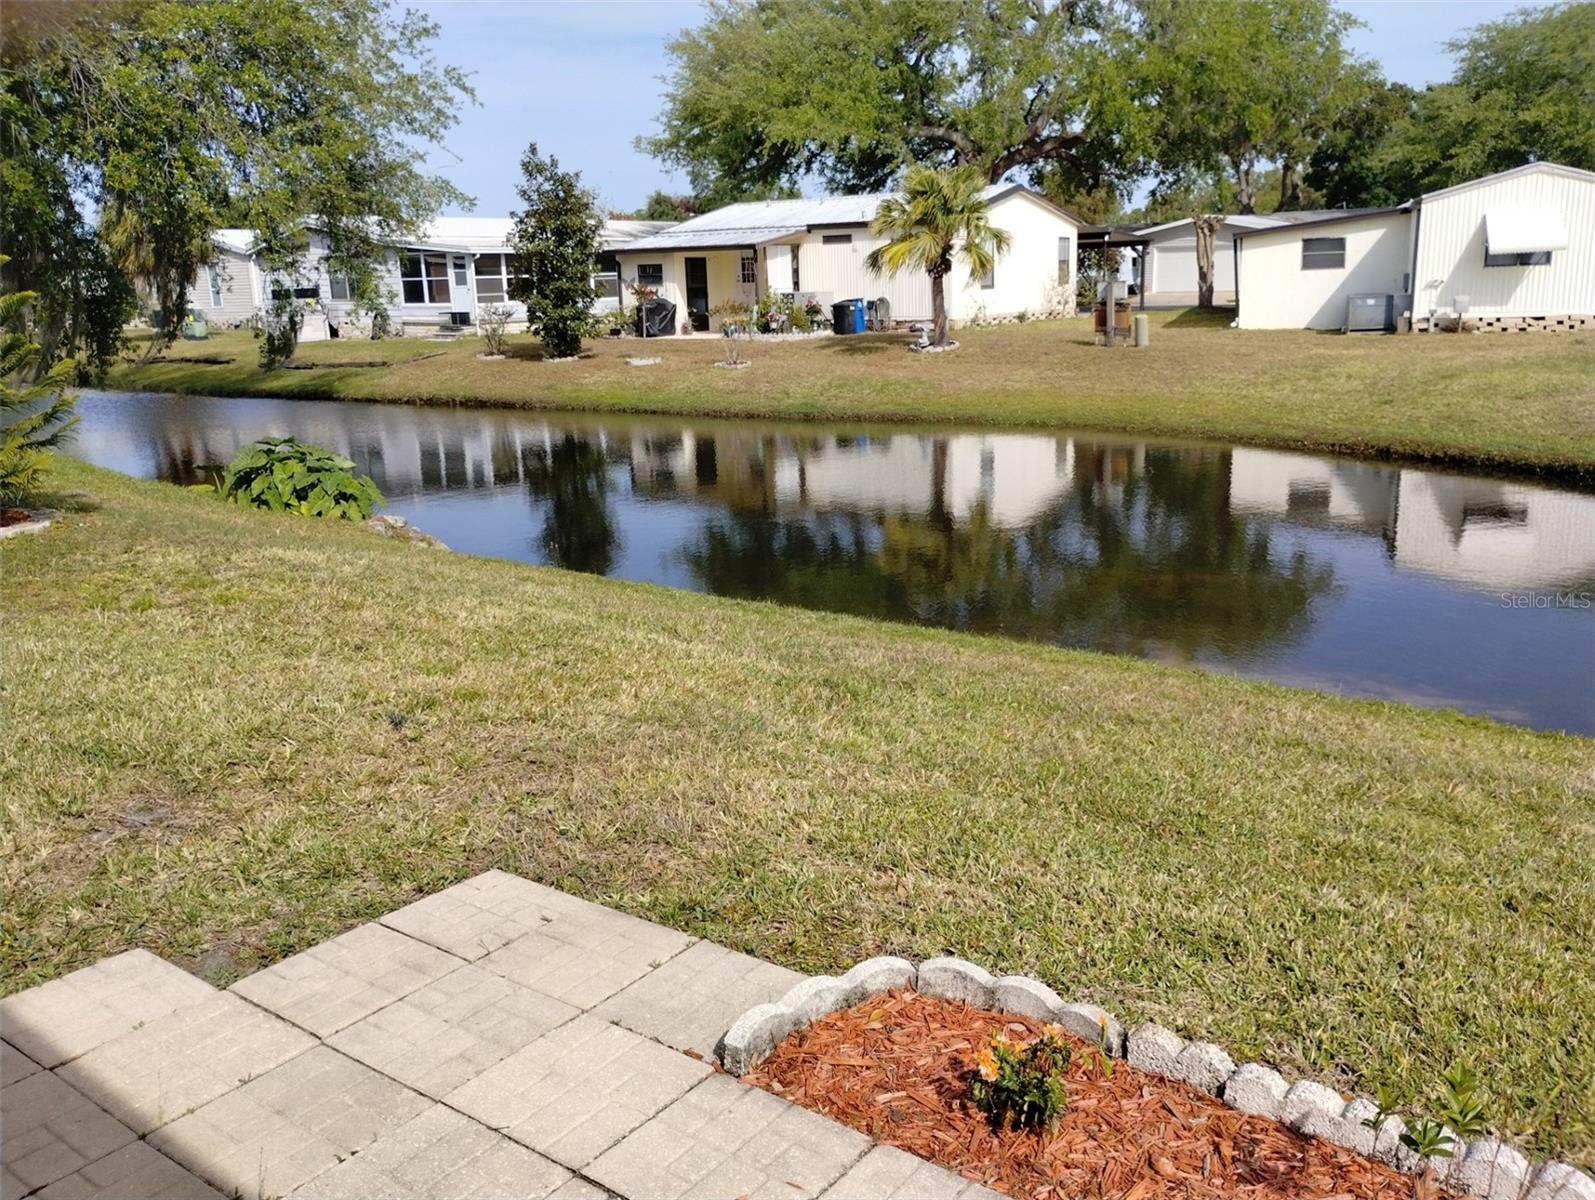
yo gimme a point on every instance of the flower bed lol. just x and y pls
(898, 1067)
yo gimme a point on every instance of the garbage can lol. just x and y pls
(847, 316)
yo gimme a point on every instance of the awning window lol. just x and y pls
(1524, 230)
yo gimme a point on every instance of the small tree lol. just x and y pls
(938, 215)
(493, 320)
(556, 248)
(35, 415)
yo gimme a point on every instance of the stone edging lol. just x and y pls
(1487, 1168)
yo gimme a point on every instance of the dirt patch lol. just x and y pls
(897, 1067)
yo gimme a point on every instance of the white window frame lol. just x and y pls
(658, 267)
(1323, 258)
(214, 274)
(988, 277)
(428, 281)
(748, 268)
(338, 287)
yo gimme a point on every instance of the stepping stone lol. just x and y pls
(440, 1155)
(137, 1170)
(724, 1140)
(482, 914)
(51, 1130)
(690, 1001)
(452, 1030)
(333, 985)
(585, 957)
(282, 1130)
(887, 1173)
(578, 1090)
(69, 1016)
(169, 1067)
(14, 1065)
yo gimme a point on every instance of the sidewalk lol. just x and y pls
(497, 1039)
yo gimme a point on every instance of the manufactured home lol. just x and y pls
(816, 249)
(440, 280)
(1512, 251)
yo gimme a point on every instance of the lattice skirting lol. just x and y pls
(1561, 323)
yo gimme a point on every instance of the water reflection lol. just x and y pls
(1439, 588)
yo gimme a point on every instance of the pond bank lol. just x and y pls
(1505, 403)
(231, 735)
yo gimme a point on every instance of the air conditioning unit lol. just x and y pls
(459, 318)
(1371, 312)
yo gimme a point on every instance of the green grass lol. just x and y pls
(230, 735)
(1499, 401)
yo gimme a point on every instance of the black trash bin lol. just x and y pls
(847, 316)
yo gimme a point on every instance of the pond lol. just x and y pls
(1432, 587)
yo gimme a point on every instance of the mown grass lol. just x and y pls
(1499, 401)
(230, 735)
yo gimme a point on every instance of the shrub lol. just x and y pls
(34, 415)
(1022, 1085)
(288, 476)
(493, 321)
(279, 331)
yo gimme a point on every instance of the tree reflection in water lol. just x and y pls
(1144, 558)
(570, 477)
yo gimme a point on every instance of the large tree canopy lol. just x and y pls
(132, 129)
(767, 92)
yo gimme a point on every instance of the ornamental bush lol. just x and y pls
(1021, 1085)
(290, 477)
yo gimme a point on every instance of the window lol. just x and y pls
(750, 269)
(1065, 261)
(988, 278)
(1323, 254)
(461, 278)
(338, 286)
(424, 278)
(797, 285)
(493, 275)
(836, 239)
(215, 274)
(651, 274)
(1530, 258)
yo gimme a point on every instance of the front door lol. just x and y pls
(698, 292)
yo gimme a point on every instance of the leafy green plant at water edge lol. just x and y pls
(288, 476)
(35, 414)
(1021, 1085)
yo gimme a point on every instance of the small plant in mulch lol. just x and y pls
(1020, 1085)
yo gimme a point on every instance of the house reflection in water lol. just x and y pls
(1485, 534)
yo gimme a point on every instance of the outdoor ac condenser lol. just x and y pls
(1371, 312)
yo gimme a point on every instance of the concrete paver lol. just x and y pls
(578, 1089)
(439, 1155)
(51, 1130)
(157, 1073)
(335, 984)
(283, 1129)
(482, 914)
(724, 1140)
(692, 999)
(452, 1029)
(135, 1172)
(15, 1065)
(585, 957)
(66, 1017)
(887, 1173)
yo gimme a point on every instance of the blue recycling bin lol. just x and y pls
(847, 316)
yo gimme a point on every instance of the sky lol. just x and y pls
(583, 81)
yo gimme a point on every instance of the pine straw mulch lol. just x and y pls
(897, 1068)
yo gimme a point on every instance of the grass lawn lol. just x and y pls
(1520, 402)
(231, 735)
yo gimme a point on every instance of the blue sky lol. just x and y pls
(581, 79)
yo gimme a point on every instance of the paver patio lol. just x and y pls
(499, 1038)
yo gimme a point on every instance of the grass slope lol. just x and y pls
(1523, 403)
(231, 735)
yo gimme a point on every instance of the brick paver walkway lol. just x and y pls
(497, 1039)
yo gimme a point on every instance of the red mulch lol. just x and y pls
(897, 1067)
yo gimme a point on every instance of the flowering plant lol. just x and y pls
(1021, 1084)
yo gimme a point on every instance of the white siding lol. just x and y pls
(1171, 266)
(1451, 248)
(1276, 293)
(1026, 278)
(239, 290)
(839, 270)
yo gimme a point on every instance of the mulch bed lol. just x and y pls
(897, 1067)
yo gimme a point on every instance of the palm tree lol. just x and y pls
(939, 214)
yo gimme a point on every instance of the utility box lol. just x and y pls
(1371, 312)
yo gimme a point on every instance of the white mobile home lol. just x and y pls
(1513, 251)
(816, 248)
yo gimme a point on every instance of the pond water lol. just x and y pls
(1432, 587)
